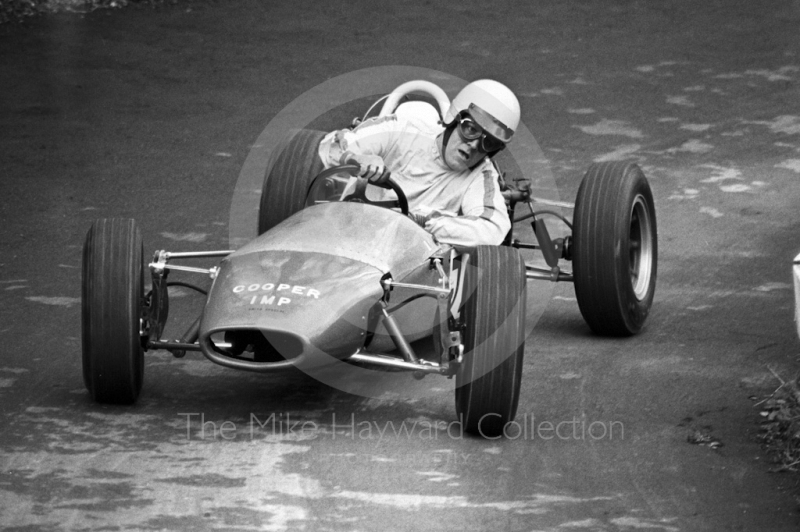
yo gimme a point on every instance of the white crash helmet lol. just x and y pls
(491, 104)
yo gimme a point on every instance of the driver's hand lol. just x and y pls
(380, 178)
(420, 219)
(372, 167)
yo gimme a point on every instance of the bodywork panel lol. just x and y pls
(796, 275)
(316, 277)
(322, 299)
(365, 233)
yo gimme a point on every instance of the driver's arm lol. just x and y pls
(484, 219)
(372, 138)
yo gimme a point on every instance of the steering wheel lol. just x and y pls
(359, 195)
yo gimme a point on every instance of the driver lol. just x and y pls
(444, 168)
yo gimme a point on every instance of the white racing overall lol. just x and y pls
(463, 209)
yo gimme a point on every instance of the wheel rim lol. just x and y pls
(640, 248)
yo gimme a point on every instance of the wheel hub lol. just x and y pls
(640, 247)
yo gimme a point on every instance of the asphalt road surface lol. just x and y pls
(153, 113)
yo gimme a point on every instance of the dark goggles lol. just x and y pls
(469, 129)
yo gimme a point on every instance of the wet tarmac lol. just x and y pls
(154, 113)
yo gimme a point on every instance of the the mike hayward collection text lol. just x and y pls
(350, 426)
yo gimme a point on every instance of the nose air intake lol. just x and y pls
(263, 346)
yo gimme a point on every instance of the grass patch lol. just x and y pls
(780, 426)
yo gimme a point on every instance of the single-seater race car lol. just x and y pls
(340, 274)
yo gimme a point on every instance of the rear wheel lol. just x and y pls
(286, 184)
(112, 302)
(615, 248)
(488, 381)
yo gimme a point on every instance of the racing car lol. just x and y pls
(340, 274)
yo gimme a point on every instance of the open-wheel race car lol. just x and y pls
(336, 275)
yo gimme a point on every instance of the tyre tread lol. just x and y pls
(113, 362)
(599, 218)
(491, 377)
(287, 180)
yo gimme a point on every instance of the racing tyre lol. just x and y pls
(615, 248)
(112, 301)
(488, 380)
(288, 179)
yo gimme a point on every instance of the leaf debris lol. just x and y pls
(780, 423)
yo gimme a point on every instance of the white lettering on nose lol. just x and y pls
(268, 287)
(267, 300)
(283, 301)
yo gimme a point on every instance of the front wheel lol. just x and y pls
(615, 248)
(112, 303)
(493, 312)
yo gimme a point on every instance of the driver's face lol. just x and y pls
(461, 154)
